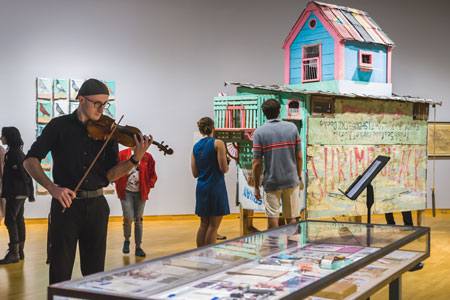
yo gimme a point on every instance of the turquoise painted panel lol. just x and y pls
(379, 71)
(308, 36)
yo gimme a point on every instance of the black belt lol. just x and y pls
(89, 194)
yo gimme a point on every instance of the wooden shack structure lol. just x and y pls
(338, 93)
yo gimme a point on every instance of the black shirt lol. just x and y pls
(72, 152)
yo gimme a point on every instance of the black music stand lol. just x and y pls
(364, 181)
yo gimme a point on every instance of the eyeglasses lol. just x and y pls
(98, 104)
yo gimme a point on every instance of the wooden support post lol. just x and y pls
(420, 217)
(243, 220)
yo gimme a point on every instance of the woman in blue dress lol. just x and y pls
(209, 164)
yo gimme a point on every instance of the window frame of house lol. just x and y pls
(318, 63)
(315, 23)
(289, 116)
(362, 65)
(229, 116)
(322, 100)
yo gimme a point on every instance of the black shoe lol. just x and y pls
(12, 256)
(140, 252)
(21, 254)
(126, 247)
(221, 237)
(417, 267)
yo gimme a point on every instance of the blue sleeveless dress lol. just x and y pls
(211, 193)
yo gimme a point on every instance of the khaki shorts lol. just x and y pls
(290, 199)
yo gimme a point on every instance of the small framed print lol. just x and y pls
(43, 111)
(111, 85)
(60, 108)
(439, 139)
(44, 88)
(73, 106)
(60, 88)
(75, 85)
(46, 162)
(111, 110)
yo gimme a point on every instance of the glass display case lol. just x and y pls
(311, 258)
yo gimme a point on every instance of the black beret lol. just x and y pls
(93, 87)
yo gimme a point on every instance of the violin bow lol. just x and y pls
(96, 157)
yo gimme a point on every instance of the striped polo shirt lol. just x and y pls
(277, 141)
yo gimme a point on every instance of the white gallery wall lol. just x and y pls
(170, 58)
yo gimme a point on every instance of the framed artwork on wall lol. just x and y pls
(43, 111)
(111, 85)
(60, 108)
(439, 145)
(73, 106)
(111, 110)
(44, 88)
(60, 88)
(74, 87)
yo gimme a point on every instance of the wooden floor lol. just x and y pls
(166, 235)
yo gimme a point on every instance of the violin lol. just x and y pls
(103, 127)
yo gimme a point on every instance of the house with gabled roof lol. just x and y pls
(338, 49)
(338, 92)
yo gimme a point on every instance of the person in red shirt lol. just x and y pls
(133, 189)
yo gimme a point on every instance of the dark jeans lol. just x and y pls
(85, 222)
(407, 218)
(14, 220)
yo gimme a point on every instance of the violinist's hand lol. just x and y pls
(142, 145)
(63, 195)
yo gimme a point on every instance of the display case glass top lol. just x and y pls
(289, 262)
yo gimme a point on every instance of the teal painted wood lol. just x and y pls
(379, 58)
(309, 36)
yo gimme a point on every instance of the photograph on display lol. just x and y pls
(73, 106)
(44, 88)
(442, 145)
(60, 108)
(111, 85)
(60, 88)
(46, 162)
(43, 111)
(111, 110)
(40, 190)
(39, 129)
(75, 85)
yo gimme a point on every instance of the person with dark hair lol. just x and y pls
(82, 217)
(209, 164)
(2, 200)
(279, 143)
(133, 189)
(16, 187)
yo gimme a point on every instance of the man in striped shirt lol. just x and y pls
(279, 143)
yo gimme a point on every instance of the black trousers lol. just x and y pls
(85, 222)
(407, 218)
(14, 220)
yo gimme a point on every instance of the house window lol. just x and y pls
(321, 105)
(365, 60)
(293, 109)
(311, 63)
(312, 23)
(235, 117)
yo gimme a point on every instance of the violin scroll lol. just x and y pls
(164, 148)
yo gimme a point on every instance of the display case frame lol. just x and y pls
(68, 289)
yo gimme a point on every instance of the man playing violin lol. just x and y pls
(82, 216)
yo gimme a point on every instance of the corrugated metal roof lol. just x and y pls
(279, 88)
(353, 24)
